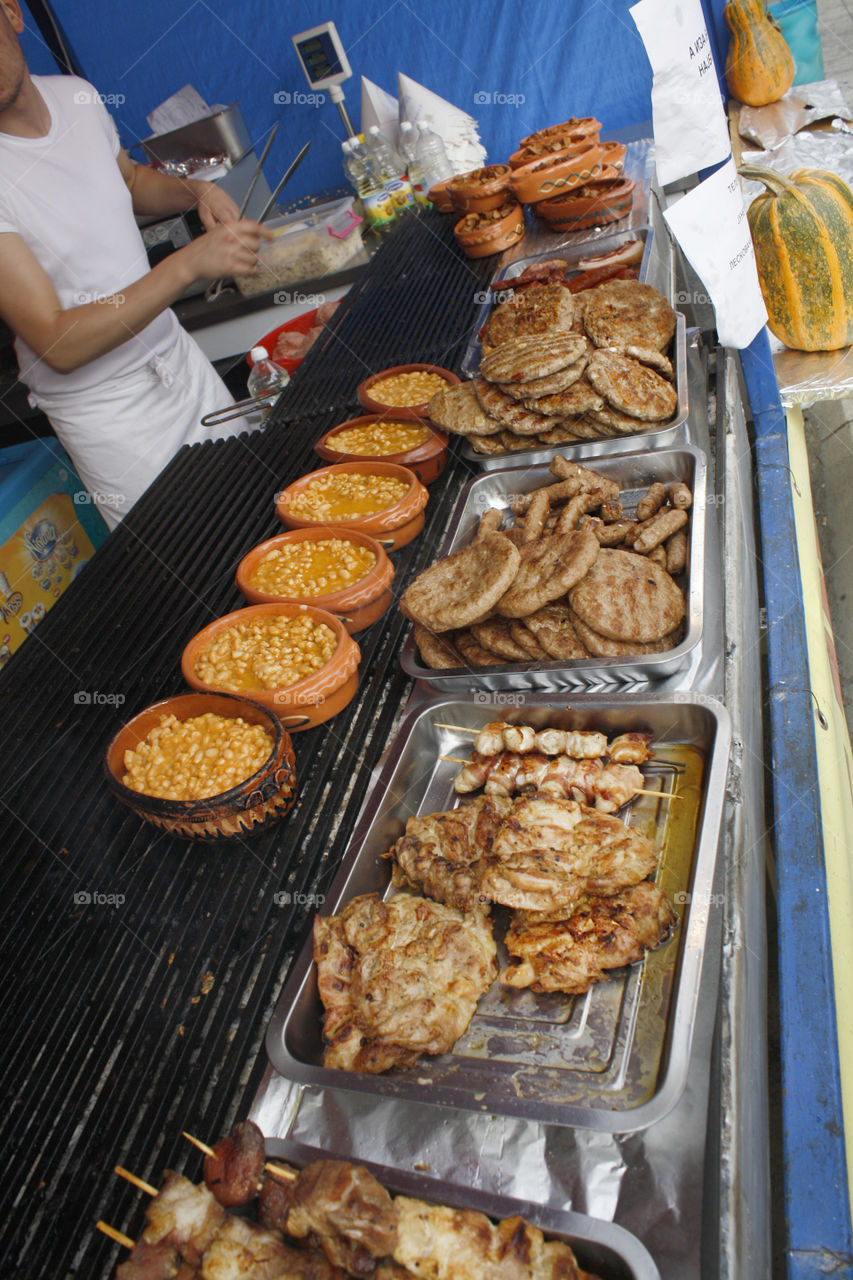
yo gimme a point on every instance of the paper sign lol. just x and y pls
(687, 110)
(711, 226)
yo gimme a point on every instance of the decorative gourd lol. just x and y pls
(759, 65)
(802, 229)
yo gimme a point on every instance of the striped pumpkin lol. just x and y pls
(802, 229)
(759, 64)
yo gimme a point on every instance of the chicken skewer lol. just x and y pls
(498, 736)
(605, 786)
(182, 1241)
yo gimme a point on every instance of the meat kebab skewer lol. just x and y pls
(339, 1206)
(607, 787)
(189, 1235)
(498, 736)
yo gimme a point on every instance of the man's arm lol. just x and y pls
(157, 194)
(67, 339)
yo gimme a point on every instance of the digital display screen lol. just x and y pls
(319, 57)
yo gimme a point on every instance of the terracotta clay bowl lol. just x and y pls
(313, 699)
(394, 526)
(490, 234)
(262, 798)
(427, 459)
(480, 190)
(409, 410)
(358, 605)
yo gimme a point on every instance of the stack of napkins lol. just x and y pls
(380, 108)
(456, 128)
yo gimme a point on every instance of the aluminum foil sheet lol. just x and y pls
(803, 105)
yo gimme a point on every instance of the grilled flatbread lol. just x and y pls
(631, 387)
(620, 313)
(509, 412)
(626, 597)
(523, 359)
(552, 627)
(458, 410)
(548, 568)
(461, 588)
(538, 308)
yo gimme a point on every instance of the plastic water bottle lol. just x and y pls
(266, 375)
(364, 177)
(431, 155)
(408, 141)
(392, 170)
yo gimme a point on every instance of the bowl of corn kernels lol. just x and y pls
(206, 766)
(404, 390)
(410, 442)
(381, 499)
(343, 571)
(294, 659)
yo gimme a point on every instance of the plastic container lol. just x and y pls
(266, 376)
(365, 177)
(798, 22)
(307, 244)
(391, 169)
(431, 156)
(408, 145)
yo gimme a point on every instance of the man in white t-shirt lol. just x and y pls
(98, 347)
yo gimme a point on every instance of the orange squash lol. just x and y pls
(802, 230)
(759, 65)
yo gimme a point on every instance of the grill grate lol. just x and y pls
(109, 1046)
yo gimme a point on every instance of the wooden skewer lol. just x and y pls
(276, 1169)
(460, 728)
(640, 791)
(137, 1182)
(118, 1236)
(197, 1142)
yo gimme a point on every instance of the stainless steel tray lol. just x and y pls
(633, 473)
(572, 254)
(615, 1059)
(607, 1250)
(661, 437)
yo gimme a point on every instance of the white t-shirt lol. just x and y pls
(65, 196)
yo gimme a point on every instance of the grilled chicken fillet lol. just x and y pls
(602, 933)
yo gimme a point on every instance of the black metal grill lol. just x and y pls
(113, 1039)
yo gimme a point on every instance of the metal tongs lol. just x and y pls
(241, 408)
(214, 290)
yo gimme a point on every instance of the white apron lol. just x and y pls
(121, 433)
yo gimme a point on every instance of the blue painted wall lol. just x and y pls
(557, 57)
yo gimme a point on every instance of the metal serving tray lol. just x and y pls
(661, 437)
(607, 1250)
(614, 1059)
(572, 254)
(633, 473)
